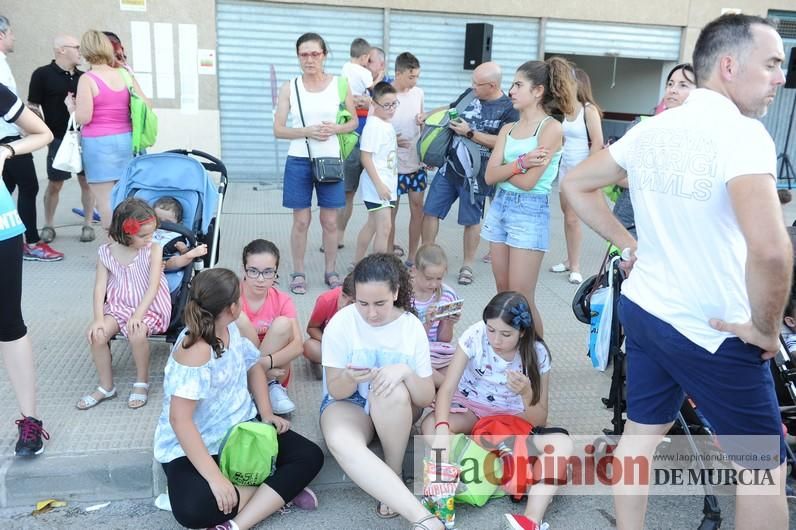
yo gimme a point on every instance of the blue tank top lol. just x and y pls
(515, 148)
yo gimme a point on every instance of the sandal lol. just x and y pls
(298, 283)
(399, 251)
(390, 515)
(559, 267)
(88, 401)
(487, 257)
(47, 234)
(465, 275)
(87, 234)
(332, 279)
(421, 523)
(135, 397)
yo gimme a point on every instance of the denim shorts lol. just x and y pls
(355, 398)
(105, 158)
(444, 191)
(732, 388)
(298, 186)
(519, 220)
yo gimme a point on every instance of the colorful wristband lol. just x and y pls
(445, 423)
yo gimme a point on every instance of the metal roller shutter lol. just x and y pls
(253, 36)
(592, 38)
(437, 40)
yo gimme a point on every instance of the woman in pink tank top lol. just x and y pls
(103, 109)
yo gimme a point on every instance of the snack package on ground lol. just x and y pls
(440, 481)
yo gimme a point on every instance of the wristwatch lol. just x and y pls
(470, 134)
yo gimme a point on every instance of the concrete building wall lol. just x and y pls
(36, 23)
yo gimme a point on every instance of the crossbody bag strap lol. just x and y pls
(586, 125)
(301, 115)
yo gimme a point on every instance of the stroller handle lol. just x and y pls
(211, 163)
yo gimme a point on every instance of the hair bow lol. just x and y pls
(522, 317)
(131, 226)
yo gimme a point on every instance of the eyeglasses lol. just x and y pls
(476, 85)
(307, 55)
(75, 47)
(388, 106)
(267, 274)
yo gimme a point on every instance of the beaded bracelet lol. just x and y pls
(10, 148)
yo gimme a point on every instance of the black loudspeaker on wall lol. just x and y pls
(790, 81)
(477, 45)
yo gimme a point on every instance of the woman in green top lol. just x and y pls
(524, 164)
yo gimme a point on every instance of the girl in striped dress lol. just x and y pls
(130, 295)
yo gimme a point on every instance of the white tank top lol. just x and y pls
(576, 140)
(316, 107)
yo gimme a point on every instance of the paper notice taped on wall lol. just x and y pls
(189, 77)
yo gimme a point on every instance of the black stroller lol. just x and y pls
(688, 422)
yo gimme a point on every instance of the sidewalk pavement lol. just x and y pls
(106, 453)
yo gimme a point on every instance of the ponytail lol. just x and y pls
(213, 291)
(563, 86)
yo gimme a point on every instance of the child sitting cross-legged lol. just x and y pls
(501, 367)
(430, 292)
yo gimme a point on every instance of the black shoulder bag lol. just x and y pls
(325, 170)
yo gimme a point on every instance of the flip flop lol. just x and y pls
(381, 515)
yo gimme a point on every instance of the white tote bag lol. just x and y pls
(68, 157)
(601, 305)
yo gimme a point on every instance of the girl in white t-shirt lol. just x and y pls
(379, 181)
(500, 367)
(377, 380)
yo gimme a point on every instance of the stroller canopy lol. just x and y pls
(149, 177)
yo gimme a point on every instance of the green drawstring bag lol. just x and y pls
(248, 453)
(474, 488)
(143, 118)
(347, 140)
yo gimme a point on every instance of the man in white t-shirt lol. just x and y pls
(412, 178)
(711, 273)
(360, 80)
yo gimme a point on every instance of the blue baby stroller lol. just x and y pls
(183, 175)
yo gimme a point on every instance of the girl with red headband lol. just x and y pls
(130, 295)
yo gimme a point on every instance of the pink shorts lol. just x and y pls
(479, 409)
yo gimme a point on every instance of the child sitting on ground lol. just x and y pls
(326, 306)
(431, 266)
(176, 252)
(269, 319)
(501, 367)
(131, 296)
(379, 180)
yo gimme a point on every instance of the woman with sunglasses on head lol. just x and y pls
(679, 83)
(268, 318)
(312, 101)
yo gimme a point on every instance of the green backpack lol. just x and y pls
(347, 140)
(248, 453)
(144, 119)
(474, 488)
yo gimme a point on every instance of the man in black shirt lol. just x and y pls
(51, 94)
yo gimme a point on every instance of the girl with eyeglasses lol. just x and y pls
(269, 319)
(312, 101)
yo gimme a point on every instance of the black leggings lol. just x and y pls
(20, 172)
(194, 505)
(12, 327)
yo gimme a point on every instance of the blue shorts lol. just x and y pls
(519, 220)
(355, 398)
(733, 388)
(298, 186)
(416, 181)
(444, 191)
(105, 158)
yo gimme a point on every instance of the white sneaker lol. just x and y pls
(280, 401)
